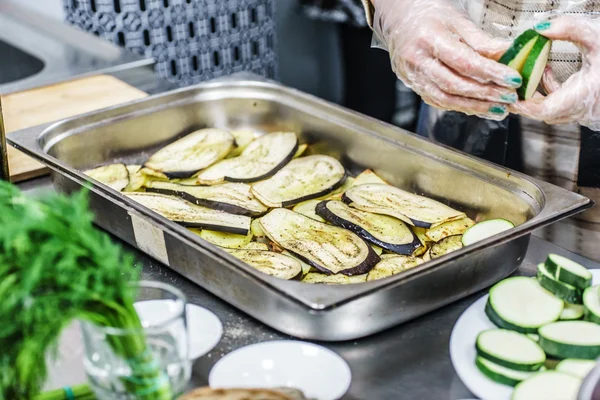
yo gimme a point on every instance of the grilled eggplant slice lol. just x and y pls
(451, 228)
(234, 198)
(256, 246)
(243, 137)
(302, 179)
(115, 176)
(191, 215)
(256, 229)
(368, 176)
(445, 246)
(301, 149)
(260, 160)
(392, 265)
(274, 264)
(337, 279)
(330, 249)
(307, 208)
(386, 232)
(137, 180)
(339, 192)
(192, 153)
(224, 239)
(411, 208)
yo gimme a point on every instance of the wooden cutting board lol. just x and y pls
(52, 103)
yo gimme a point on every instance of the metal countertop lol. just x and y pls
(410, 361)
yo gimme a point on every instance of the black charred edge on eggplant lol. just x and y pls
(215, 205)
(405, 249)
(269, 174)
(365, 266)
(347, 199)
(219, 228)
(322, 193)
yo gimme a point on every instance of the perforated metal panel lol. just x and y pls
(191, 40)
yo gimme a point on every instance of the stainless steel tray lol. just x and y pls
(130, 132)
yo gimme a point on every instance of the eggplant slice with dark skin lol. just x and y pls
(194, 152)
(391, 265)
(115, 176)
(191, 215)
(270, 263)
(411, 208)
(386, 232)
(260, 160)
(302, 179)
(328, 248)
(234, 198)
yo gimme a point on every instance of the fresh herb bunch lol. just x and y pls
(56, 267)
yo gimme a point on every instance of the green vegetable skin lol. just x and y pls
(55, 267)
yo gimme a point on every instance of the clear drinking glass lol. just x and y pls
(158, 369)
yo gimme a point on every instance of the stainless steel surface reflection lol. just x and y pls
(129, 133)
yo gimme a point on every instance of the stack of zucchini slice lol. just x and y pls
(554, 316)
(287, 214)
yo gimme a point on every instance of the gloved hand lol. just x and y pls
(444, 57)
(578, 98)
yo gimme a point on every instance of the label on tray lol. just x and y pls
(149, 238)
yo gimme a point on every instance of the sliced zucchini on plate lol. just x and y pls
(510, 349)
(274, 264)
(445, 246)
(234, 198)
(591, 303)
(224, 239)
(336, 279)
(449, 229)
(391, 265)
(307, 208)
(500, 374)
(411, 208)
(192, 153)
(571, 339)
(260, 160)
(548, 385)
(567, 271)
(485, 229)
(576, 367)
(191, 215)
(330, 249)
(115, 176)
(505, 305)
(563, 291)
(302, 179)
(384, 231)
(136, 179)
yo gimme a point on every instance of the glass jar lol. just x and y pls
(150, 363)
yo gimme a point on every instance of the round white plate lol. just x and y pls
(318, 372)
(462, 350)
(204, 328)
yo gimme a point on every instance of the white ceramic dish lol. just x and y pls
(462, 350)
(317, 371)
(204, 328)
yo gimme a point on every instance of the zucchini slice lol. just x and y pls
(563, 291)
(571, 339)
(386, 232)
(411, 208)
(234, 198)
(274, 264)
(368, 176)
(307, 208)
(571, 312)
(485, 229)
(510, 349)
(534, 67)
(336, 279)
(191, 215)
(500, 374)
(136, 179)
(115, 176)
(567, 271)
(224, 239)
(449, 229)
(576, 367)
(330, 249)
(521, 304)
(591, 303)
(260, 160)
(392, 265)
(548, 385)
(445, 246)
(192, 153)
(517, 53)
(302, 179)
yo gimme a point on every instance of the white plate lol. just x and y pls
(204, 328)
(318, 372)
(462, 350)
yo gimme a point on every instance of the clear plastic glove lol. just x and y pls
(578, 98)
(437, 51)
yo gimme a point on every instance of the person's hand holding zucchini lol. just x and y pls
(444, 57)
(578, 98)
